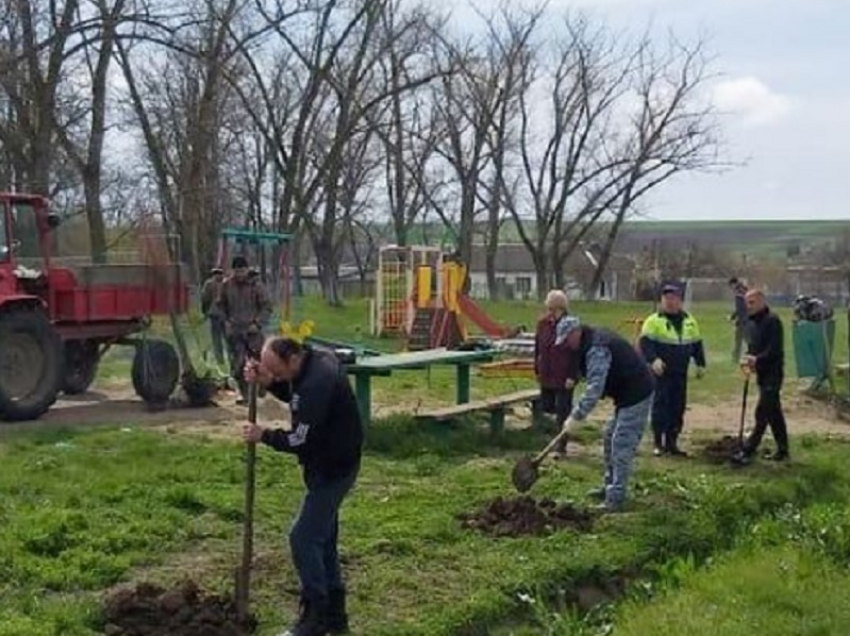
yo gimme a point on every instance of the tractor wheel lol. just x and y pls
(156, 370)
(81, 361)
(31, 364)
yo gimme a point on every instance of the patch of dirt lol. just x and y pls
(720, 451)
(514, 517)
(804, 415)
(148, 610)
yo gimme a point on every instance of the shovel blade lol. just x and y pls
(524, 474)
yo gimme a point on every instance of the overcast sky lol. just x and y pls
(785, 81)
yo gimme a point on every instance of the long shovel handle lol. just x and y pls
(244, 577)
(555, 440)
(743, 409)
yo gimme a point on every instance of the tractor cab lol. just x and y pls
(25, 244)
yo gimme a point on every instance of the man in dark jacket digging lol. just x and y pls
(766, 357)
(327, 436)
(612, 368)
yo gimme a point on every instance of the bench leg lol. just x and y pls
(462, 383)
(363, 390)
(497, 421)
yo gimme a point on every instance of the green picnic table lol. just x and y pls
(367, 368)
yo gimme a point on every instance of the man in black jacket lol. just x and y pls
(327, 437)
(612, 369)
(766, 357)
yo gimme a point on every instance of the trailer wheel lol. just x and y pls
(31, 364)
(156, 371)
(81, 361)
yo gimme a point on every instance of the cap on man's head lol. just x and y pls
(671, 289)
(239, 262)
(216, 270)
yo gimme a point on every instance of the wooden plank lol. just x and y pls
(511, 368)
(419, 359)
(487, 404)
(842, 369)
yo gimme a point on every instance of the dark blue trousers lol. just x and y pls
(313, 537)
(668, 409)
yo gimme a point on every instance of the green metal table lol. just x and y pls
(383, 366)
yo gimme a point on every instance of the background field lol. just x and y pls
(703, 549)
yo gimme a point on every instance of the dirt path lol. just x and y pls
(118, 405)
(804, 415)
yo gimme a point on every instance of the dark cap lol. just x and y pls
(239, 262)
(671, 289)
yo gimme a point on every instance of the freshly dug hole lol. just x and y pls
(513, 517)
(720, 451)
(149, 610)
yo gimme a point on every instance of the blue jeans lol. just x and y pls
(622, 437)
(314, 534)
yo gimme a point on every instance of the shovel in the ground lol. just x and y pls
(243, 574)
(525, 472)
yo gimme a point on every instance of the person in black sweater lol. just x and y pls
(327, 437)
(766, 357)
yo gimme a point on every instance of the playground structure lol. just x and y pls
(269, 253)
(421, 296)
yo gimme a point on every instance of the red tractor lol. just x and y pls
(57, 320)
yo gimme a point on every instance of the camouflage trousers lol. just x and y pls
(622, 438)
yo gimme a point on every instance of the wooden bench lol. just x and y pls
(495, 406)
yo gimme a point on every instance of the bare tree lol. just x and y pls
(38, 40)
(510, 49)
(562, 173)
(182, 107)
(673, 130)
(332, 63)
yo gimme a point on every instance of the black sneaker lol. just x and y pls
(312, 621)
(337, 617)
(676, 452)
(742, 458)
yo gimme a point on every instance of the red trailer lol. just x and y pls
(57, 320)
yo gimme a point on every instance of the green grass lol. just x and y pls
(85, 510)
(780, 591)
(82, 510)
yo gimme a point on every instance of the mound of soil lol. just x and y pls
(721, 450)
(513, 517)
(148, 610)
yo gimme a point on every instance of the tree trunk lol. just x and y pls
(542, 274)
(611, 239)
(328, 271)
(94, 213)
